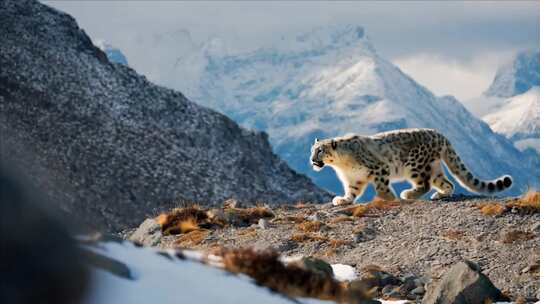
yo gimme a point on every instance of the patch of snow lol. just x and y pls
(344, 272)
(162, 280)
(533, 143)
(519, 117)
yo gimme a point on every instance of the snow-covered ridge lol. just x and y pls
(519, 119)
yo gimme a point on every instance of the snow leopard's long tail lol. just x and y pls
(465, 177)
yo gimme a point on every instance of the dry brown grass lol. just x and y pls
(373, 208)
(192, 238)
(295, 219)
(535, 269)
(492, 209)
(453, 234)
(247, 216)
(520, 300)
(338, 243)
(530, 202)
(308, 237)
(266, 269)
(310, 226)
(182, 220)
(516, 236)
(527, 203)
(341, 219)
(247, 232)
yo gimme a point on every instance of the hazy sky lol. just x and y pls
(450, 47)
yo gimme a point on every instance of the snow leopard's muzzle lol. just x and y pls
(316, 157)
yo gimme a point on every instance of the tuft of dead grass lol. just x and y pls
(182, 220)
(267, 270)
(192, 238)
(308, 237)
(453, 234)
(492, 209)
(516, 236)
(341, 219)
(310, 226)
(527, 203)
(247, 216)
(530, 202)
(373, 208)
(338, 243)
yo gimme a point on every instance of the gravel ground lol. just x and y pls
(421, 238)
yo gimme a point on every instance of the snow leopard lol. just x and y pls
(413, 155)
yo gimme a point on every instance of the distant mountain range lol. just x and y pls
(329, 82)
(112, 148)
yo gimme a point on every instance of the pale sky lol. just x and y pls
(449, 47)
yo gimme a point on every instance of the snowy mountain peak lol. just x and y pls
(519, 119)
(324, 38)
(516, 77)
(333, 35)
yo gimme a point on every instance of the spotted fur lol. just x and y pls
(413, 155)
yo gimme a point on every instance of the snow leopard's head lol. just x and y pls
(321, 153)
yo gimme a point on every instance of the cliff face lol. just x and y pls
(110, 146)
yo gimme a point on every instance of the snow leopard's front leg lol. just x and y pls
(352, 191)
(382, 185)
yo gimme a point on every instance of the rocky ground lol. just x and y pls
(420, 239)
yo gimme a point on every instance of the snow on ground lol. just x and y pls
(161, 279)
(520, 115)
(344, 272)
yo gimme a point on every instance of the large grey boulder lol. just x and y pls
(463, 284)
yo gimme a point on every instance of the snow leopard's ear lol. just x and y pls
(316, 140)
(334, 144)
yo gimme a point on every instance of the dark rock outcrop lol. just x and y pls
(39, 261)
(463, 284)
(112, 147)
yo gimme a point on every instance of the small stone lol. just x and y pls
(148, 233)
(314, 217)
(216, 214)
(231, 203)
(365, 235)
(388, 289)
(535, 227)
(408, 285)
(526, 269)
(418, 290)
(263, 224)
(316, 265)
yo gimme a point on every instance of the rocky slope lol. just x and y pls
(330, 82)
(111, 146)
(420, 239)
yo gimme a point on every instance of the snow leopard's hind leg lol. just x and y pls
(443, 186)
(419, 177)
